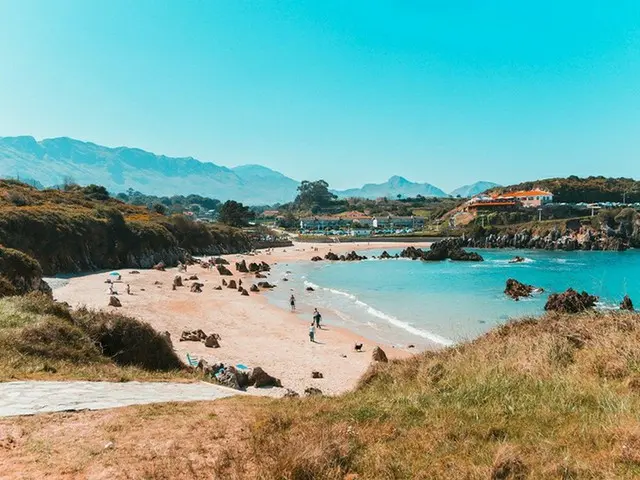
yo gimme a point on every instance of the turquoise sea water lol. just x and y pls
(439, 303)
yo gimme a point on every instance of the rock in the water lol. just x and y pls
(193, 336)
(242, 266)
(353, 257)
(570, 302)
(378, 355)
(259, 378)
(114, 301)
(316, 259)
(385, 255)
(160, 267)
(212, 341)
(450, 248)
(232, 284)
(177, 281)
(515, 289)
(310, 289)
(259, 275)
(265, 285)
(331, 256)
(316, 375)
(254, 288)
(196, 287)
(311, 391)
(222, 270)
(626, 304)
(244, 292)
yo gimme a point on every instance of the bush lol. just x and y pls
(6, 288)
(128, 341)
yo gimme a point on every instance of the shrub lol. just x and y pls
(128, 341)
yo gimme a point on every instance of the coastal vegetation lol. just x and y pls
(44, 339)
(83, 228)
(574, 189)
(550, 397)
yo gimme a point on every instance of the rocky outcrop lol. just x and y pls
(220, 261)
(265, 285)
(114, 301)
(331, 256)
(259, 378)
(254, 288)
(20, 274)
(626, 304)
(378, 355)
(570, 302)
(312, 391)
(259, 267)
(242, 267)
(445, 249)
(193, 336)
(212, 341)
(385, 255)
(570, 236)
(316, 259)
(222, 270)
(349, 257)
(516, 289)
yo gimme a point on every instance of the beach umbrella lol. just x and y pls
(114, 274)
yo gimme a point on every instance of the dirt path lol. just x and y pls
(31, 397)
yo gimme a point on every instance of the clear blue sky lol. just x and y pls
(447, 92)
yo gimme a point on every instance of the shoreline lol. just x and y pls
(254, 331)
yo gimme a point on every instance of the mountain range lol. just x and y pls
(48, 162)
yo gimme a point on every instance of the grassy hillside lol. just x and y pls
(549, 398)
(590, 189)
(83, 229)
(42, 339)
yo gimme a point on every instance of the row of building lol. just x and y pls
(504, 201)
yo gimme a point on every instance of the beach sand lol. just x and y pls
(253, 332)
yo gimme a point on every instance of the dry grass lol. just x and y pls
(553, 398)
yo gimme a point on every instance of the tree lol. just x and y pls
(235, 214)
(96, 192)
(312, 194)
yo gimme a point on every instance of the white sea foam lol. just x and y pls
(383, 316)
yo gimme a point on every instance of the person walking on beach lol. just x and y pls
(312, 333)
(292, 302)
(128, 289)
(317, 317)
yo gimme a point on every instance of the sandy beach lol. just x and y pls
(253, 332)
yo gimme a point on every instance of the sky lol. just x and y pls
(445, 92)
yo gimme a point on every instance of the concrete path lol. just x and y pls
(31, 397)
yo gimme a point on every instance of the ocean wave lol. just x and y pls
(383, 316)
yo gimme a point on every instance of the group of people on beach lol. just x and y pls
(315, 323)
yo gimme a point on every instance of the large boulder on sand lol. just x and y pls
(193, 336)
(222, 270)
(114, 301)
(212, 341)
(220, 261)
(232, 284)
(312, 391)
(177, 281)
(259, 378)
(243, 292)
(316, 259)
(254, 288)
(265, 285)
(515, 289)
(196, 287)
(626, 304)
(242, 267)
(378, 355)
(570, 302)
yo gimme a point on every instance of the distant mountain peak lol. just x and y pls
(396, 185)
(474, 189)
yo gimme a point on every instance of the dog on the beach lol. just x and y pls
(358, 347)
